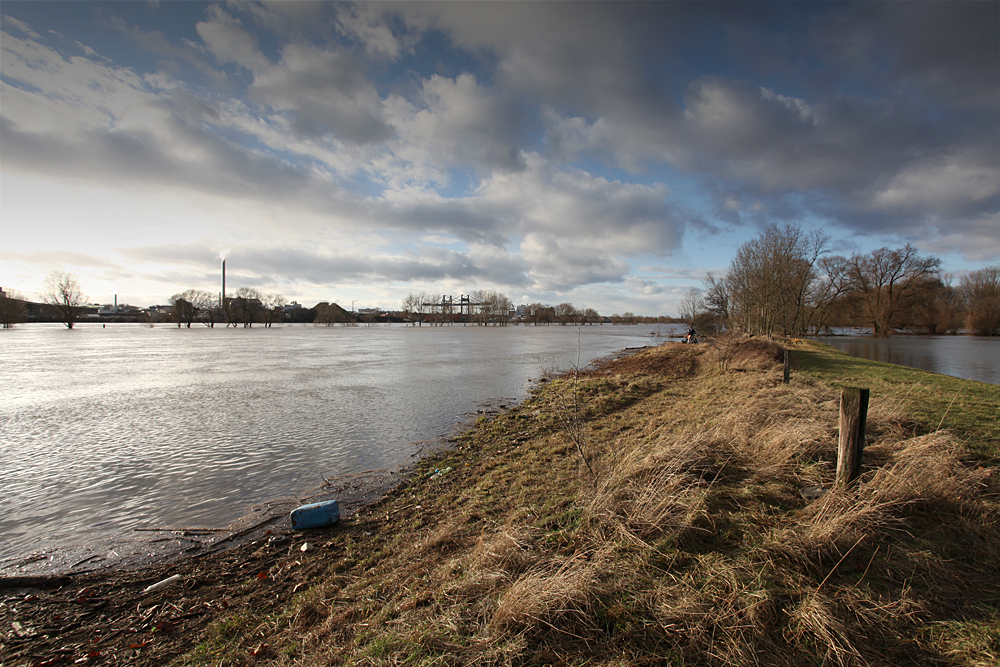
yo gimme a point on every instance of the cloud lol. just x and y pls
(457, 123)
(229, 41)
(323, 91)
(20, 26)
(366, 23)
(573, 204)
(950, 183)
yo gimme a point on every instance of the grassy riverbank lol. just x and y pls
(644, 513)
(648, 513)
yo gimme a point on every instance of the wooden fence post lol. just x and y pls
(853, 416)
(788, 365)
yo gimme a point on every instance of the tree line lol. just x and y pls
(489, 307)
(787, 282)
(247, 307)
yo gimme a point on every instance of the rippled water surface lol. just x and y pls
(967, 357)
(102, 430)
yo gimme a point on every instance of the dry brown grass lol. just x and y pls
(687, 543)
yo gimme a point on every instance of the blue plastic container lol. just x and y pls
(316, 515)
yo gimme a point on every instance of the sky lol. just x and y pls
(605, 154)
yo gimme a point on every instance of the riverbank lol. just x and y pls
(646, 511)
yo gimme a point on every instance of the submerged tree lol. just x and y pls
(272, 308)
(62, 294)
(11, 309)
(888, 282)
(183, 308)
(329, 314)
(981, 291)
(245, 307)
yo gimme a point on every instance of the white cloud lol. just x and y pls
(945, 183)
(322, 91)
(365, 23)
(455, 123)
(590, 210)
(229, 41)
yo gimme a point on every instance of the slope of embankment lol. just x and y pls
(646, 512)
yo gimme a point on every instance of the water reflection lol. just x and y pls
(967, 357)
(102, 430)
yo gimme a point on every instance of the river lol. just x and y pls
(966, 357)
(106, 429)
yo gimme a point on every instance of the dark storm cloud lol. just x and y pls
(851, 107)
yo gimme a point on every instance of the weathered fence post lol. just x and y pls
(788, 365)
(853, 416)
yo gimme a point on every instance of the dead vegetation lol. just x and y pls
(684, 540)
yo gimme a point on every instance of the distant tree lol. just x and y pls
(492, 307)
(62, 294)
(183, 308)
(537, 314)
(329, 314)
(981, 291)
(272, 308)
(888, 281)
(691, 304)
(413, 307)
(565, 313)
(246, 306)
(717, 300)
(11, 309)
(590, 316)
(206, 305)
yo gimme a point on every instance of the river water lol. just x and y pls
(966, 357)
(106, 429)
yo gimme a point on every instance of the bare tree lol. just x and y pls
(981, 291)
(952, 305)
(492, 307)
(716, 299)
(829, 291)
(246, 306)
(691, 305)
(207, 306)
(329, 314)
(11, 308)
(768, 282)
(183, 308)
(888, 281)
(62, 294)
(413, 307)
(590, 316)
(271, 308)
(565, 313)
(537, 314)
